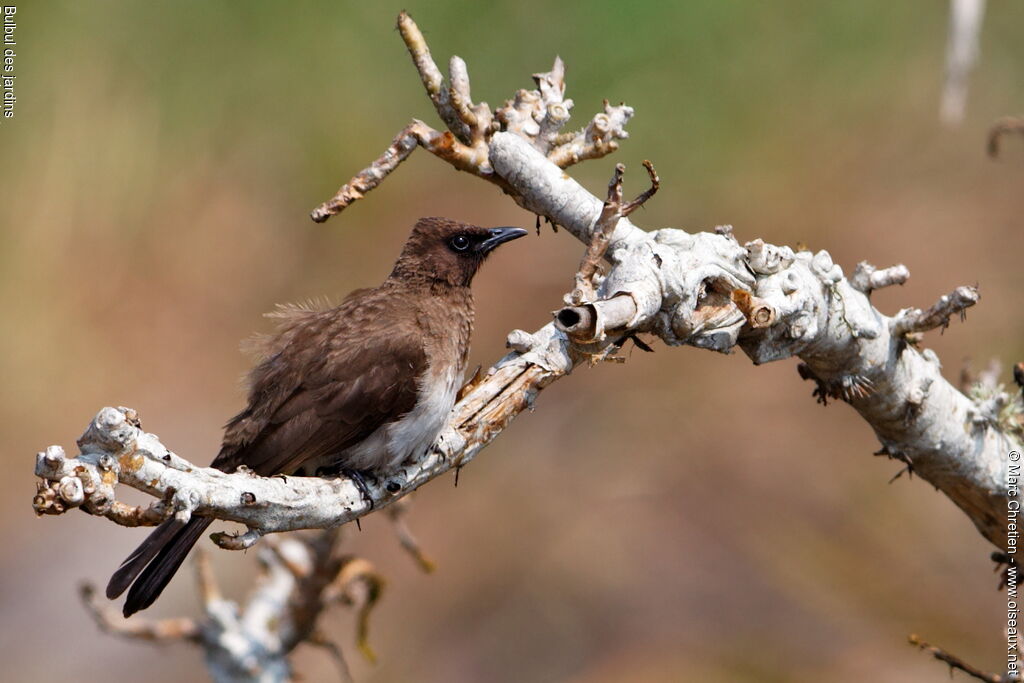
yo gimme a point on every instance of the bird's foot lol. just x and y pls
(359, 478)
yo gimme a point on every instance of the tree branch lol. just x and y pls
(965, 20)
(536, 115)
(1004, 126)
(114, 449)
(955, 662)
(300, 577)
(683, 286)
(700, 289)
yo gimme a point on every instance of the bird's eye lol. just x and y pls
(460, 243)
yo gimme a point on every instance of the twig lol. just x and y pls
(162, 631)
(551, 86)
(206, 580)
(758, 312)
(299, 579)
(955, 662)
(357, 585)
(1008, 124)
(433, 82)
(916, 320)
(598, 139)
(442, 145)
(320, 640)
(604, 227)
(866, 278)
(462, 101)
(535, 115)
(588, 323)
(397, 513)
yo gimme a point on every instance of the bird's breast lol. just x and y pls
(417, 430)
(414, 432)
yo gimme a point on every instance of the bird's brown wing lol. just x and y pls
(327, 388)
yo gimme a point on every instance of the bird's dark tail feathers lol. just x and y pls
(155, 562)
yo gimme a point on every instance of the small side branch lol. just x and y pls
(866, 278)
(433, 81)
(442, 145)
(588, 323)
(397, 513)
(537, 116)
(1004, 126)
(300, 577)
(604, 227)
(374, 174)
(162, 631)
(915, 320)
(955, 662)
(586, 319)
(598, 139)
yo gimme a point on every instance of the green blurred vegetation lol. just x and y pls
(685, 517)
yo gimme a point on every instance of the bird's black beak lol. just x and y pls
(497, 237)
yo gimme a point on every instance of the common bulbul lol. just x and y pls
(359, 388)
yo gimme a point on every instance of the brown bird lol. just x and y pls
(358, 389)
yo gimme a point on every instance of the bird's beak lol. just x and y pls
(499, 236)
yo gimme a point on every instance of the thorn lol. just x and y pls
(902, 457)
(899, 474)
(1003, 561)
(1005, 125)
(640, 344)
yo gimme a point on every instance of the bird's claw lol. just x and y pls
(358, 478)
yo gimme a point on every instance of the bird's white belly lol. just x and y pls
(416, 431)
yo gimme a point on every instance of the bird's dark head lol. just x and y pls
(449, 251)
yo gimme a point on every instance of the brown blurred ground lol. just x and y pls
(684, 517)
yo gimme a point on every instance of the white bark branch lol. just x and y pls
(299, 578)
(685, 288)
(114, 449)
(962, 49)
(700, 289)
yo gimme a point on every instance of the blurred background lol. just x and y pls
(683, 517)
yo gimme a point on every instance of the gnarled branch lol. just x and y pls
(701, 289)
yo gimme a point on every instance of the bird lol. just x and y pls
(356, 389)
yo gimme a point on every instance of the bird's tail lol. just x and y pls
(150, 568)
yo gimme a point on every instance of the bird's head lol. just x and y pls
(449, 251)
